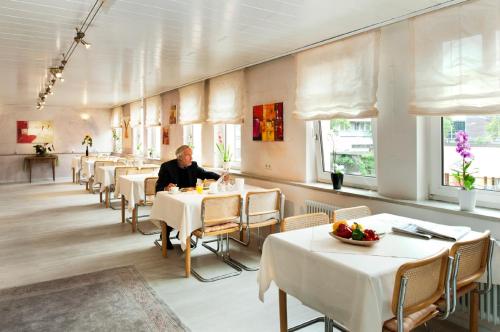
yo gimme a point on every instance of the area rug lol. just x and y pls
(117, 299)
(147, 227)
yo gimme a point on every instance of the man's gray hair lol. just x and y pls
(180, 150)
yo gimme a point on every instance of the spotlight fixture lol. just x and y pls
(56, 72)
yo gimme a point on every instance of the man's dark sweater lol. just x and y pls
(170, 172)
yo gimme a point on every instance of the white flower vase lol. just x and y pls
(226, 165)
(467, 199)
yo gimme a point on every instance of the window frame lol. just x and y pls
(235, 164)
(440, 192)
(135, 152)
(157, 140)
(189, 131)
(355, 181)
(115, 150)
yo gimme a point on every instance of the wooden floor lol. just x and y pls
(55, 230)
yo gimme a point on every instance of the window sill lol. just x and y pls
(439, 206)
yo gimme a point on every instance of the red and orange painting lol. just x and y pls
(268, 122)
(35, 132)
(166, 136)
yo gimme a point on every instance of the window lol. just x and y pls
(230, 135)
(137, 141)
(192, 137)
(348, 145)
(117, 140)
(154, 142)
(484, 138)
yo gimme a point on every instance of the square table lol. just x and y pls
(351, 284)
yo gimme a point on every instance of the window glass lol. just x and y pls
(230, 136)
(484, 139)
(137, 141)
(192, 137)
(347, 145)
(117, 140)
(154, 142)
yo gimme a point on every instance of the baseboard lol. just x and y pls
(40, 180)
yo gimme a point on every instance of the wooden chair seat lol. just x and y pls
(413, 320)
(257, 224)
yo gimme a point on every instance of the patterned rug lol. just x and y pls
(117, 299)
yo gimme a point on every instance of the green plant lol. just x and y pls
(116, 137)
(41, 149)
(87, 140)
(224, 151)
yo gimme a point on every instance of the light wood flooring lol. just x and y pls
(55, 230)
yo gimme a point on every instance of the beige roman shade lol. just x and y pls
(226, 98)
(116, 117)
(136, 114)
(457, 60)
(192, 108)
(153, 111)
(338, 80)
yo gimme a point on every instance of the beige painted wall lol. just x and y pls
(69, 130)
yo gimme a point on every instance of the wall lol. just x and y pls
(69, 130)
(168, 100)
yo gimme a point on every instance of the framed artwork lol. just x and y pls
(172, 119)
(268, 122)
(166, 136)
(35, 132)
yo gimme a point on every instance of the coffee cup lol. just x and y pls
(174, 190)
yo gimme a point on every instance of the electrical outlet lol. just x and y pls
(267, 167)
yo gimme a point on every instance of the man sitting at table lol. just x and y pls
(181, 172)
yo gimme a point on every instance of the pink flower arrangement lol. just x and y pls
(462, 174)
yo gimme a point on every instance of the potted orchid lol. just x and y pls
(224, 153)
(337, 174)
(462, 174)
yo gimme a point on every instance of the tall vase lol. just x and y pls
(87, 151)
(467, 199)
(226, 165)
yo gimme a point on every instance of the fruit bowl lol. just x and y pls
(355, 242)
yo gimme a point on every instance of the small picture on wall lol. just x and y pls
(173, 115)
(268, 122)
(35, 132)
(166, 136)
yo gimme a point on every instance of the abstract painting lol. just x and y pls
(35, 132)
(166, 136)
(268, 122)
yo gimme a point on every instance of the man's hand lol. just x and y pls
(170, 185)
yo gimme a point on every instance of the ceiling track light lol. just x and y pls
(57, 72)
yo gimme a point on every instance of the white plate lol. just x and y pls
(355, 242)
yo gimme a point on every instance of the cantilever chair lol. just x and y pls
(417, 287)
(149, 195)
(119, 171)
(92, 183)
(351, 213)
(141, 170)
(220, 215)
(471, 259)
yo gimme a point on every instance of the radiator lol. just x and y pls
(315, 207)
(489, 304)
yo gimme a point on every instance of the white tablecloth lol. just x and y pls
(75, 163)
(132, 187)
(354, 289)
(105, 175)
(182, 211)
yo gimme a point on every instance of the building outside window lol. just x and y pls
(230, 136)
(154, 141)
(192, 137)
(117, 140)
(347, 145)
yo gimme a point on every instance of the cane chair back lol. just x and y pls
(304, 221)
(351, 213)
(263, 208)
(220, 215)
(149, 190)
(471, 258)
(141, 170)
(418, 285)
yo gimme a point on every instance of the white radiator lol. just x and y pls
(315, 207)
(489, 304)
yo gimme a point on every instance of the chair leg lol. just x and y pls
(474, 311)
(100, 196)
(163, 237)
(123, 208)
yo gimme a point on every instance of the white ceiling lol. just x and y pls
(143, 47)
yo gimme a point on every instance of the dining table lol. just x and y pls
(182, 211)
(351, 284)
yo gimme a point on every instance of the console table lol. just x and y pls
(29, 161)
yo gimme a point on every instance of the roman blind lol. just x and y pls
(338, 80)
(192, 103)
(153, 111)
(116, 117)
(457, 60)
(136, 114)
(226, 98)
